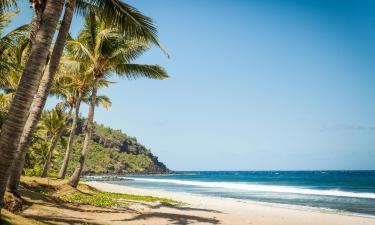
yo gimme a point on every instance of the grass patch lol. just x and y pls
(107, 199)
(85, 194)
(139, 198)
(95, 200)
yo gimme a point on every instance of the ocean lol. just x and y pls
(339, 191)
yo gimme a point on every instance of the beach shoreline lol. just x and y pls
(236, 211)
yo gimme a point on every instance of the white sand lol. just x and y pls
(214, 210)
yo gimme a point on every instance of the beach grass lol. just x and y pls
(95, 200)
(85, 194)
(107, 199)
(38, 190)
(141, 198)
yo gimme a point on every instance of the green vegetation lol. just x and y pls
(42, 59)
(95, 200)
(106, 199)
(141, 198)
(103, 53)
(85, 194)
(57, 193)
(117, 154)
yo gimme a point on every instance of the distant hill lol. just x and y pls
(114, 152)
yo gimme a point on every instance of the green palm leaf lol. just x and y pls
(7, 4)
(117, 14)
(134, 71)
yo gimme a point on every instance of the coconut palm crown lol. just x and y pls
(106, 51)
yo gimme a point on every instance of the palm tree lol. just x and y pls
(19, 109)
(107, 51)
(114, 13)
(76, 93)
(10, 45)
(55, 122)
(41, 95)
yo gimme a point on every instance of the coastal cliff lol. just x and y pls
(114, 152)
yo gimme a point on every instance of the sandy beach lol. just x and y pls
(212, 210)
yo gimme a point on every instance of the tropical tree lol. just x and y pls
(76, 93)
(9, 41)
(113, 13)
(107, 51)
(55, 122)
(19, 109)
(12, 49)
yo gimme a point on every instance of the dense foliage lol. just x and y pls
(111, 152)
(41, 59)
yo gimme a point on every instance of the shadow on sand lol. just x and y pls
(184, 208)
(175, 218)
(52, 220)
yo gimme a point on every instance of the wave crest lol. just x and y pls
(262, 188)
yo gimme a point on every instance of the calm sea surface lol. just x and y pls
(343, 191)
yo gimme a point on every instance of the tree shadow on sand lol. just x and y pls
(51, 220)
(175, 218)
(181, 207)
(49, 201)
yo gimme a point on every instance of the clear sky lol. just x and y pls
(255, 85)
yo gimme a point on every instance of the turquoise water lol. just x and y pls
(343, 191)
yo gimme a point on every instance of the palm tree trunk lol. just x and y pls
(18, 164)
(40, 100)
(28, 86)
(69, 147)
(52, 146)
(74, 180)
(35, 22)
(48, 158)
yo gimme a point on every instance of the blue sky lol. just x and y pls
(255, 85)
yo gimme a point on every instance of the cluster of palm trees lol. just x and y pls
(73, 69)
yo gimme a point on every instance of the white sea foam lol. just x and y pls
(262, 188)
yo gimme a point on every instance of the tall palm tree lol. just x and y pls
(55, 122)
(65, 88)
(107, 51)
(114, 13)
(41, 95)
(77, 92)
(19, 109)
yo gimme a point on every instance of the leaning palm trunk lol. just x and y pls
(28, 86)
(52, 146)
(69, 147)
(40, 100)
(35, 23)
(16, 169)
(86, 144)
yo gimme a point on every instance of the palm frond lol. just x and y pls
(129, 51)
(79, 51)
(103, 101)
(7, 41)
(103, 83)
(134, 71)
(117, 14)
(7, 5)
